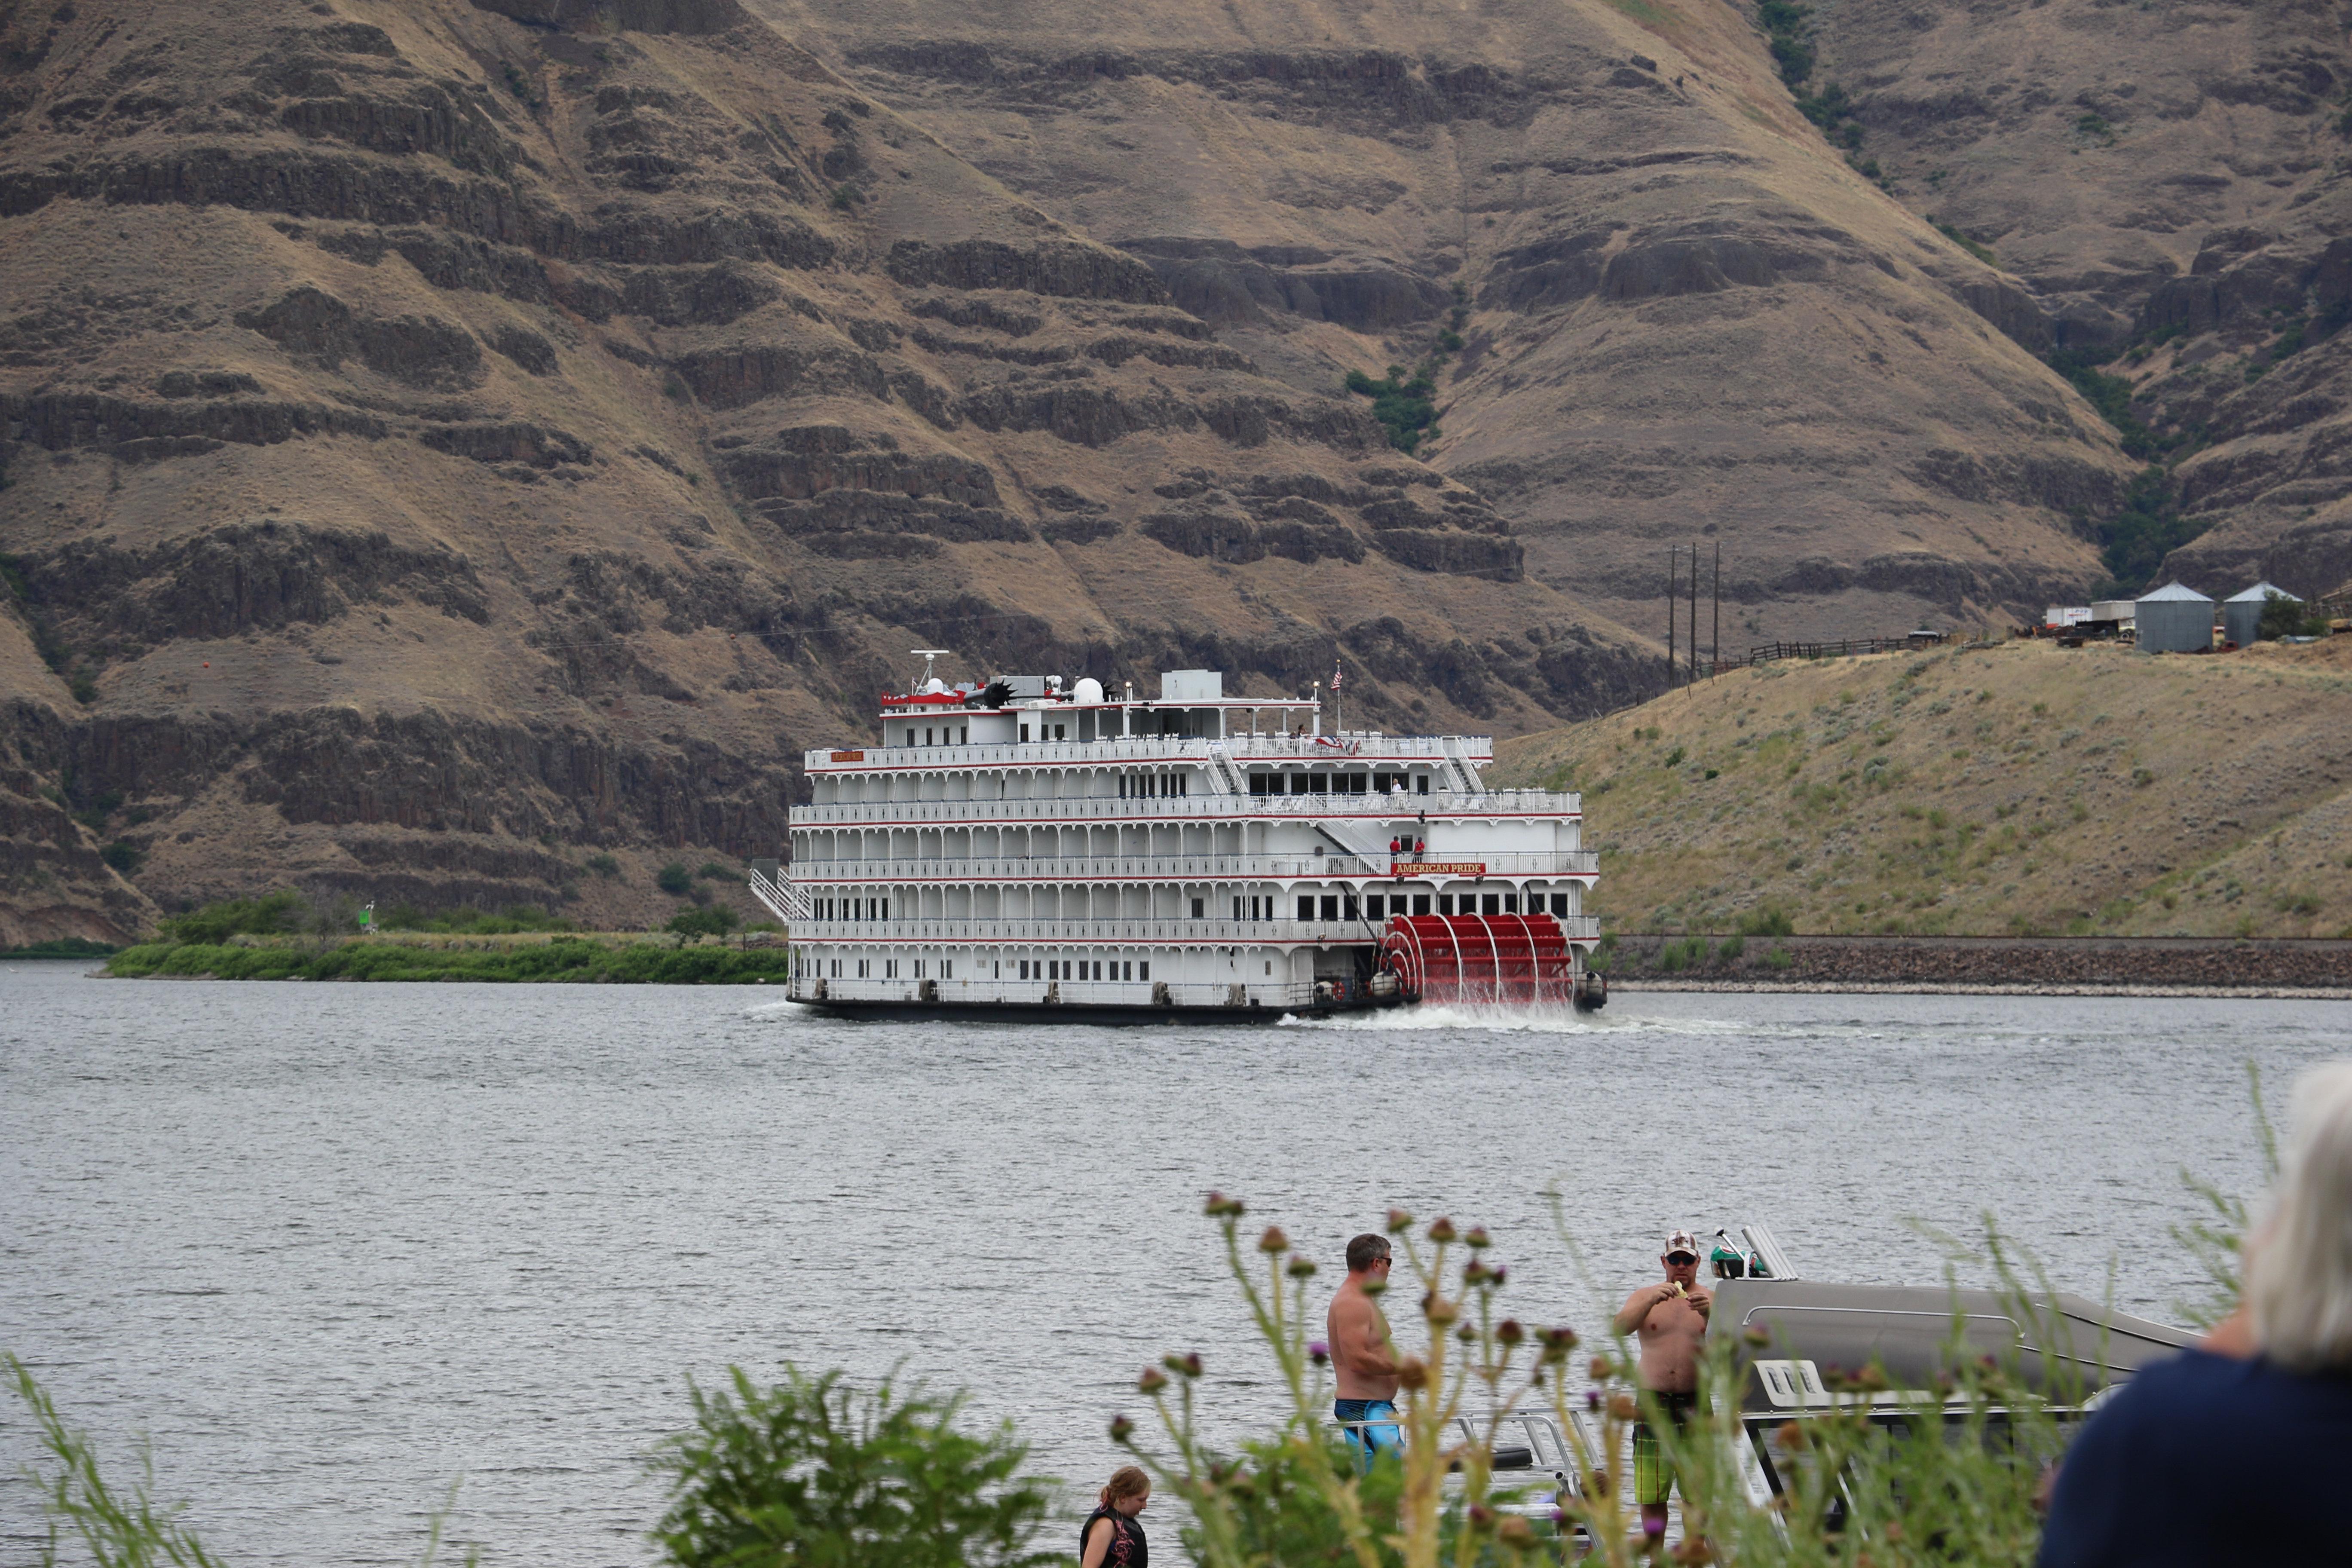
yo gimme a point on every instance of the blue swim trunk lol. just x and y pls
(1368, 1442)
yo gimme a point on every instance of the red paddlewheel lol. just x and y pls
(1494, 959)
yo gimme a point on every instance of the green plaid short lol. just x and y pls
(1653, 1471)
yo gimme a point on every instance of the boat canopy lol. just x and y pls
(2066, 1345)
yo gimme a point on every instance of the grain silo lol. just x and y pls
(2174, 619)
(2241, 613)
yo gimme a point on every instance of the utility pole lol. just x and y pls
(1694, 615)
(1714, 638)
(1674, 592)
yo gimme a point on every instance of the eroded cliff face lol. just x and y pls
(2168, 181)
(448, 443)
(1686, 315)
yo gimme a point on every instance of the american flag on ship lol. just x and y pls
(1334, 677)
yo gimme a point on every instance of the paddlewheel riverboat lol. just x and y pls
(1035, 846)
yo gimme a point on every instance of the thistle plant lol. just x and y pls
(1948, 1474)
(1399, 1512)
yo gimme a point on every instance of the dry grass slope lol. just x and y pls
(2020, 789)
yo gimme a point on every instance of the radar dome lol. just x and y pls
(1087, 690)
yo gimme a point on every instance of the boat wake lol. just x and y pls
(1553, 1019)
(1560, 1019)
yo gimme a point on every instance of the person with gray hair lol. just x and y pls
(2235, 1450)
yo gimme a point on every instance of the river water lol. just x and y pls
(334, 1249)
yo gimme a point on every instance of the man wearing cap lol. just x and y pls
(1670, 1319)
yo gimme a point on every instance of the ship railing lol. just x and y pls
(1398, 809)
(1353, 747)
(1158, 867)
(1119, 931)
(1356, 746)
(783, 896)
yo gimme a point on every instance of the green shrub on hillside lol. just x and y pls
(674, 879)
(1405, 407)
(2112, 396)
(1981, 252)
(2145, 529)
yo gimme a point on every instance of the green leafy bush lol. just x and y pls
(603, 865)
(810, 1472)
(712, 920)
(2285, 617)
(124, 857)
(1405, 407)
(1769, 920)
(712, 871)
(216, 922)
(674, 879)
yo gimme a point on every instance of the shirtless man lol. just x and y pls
(1670, 1319)
(1360, 1351)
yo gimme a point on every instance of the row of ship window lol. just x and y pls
(1334, 783)
(1148, 786)
(1152, 786)
(1332, 906)
(1028, 968)
(1380, 906)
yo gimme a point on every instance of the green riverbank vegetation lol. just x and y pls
(2018, 789)
(62, 947)
(578, 960)
(283, 936)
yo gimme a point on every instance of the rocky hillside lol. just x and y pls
(2021, 789)
(1679, 312)
(463, 450)
(462, 453)
(2169, 181)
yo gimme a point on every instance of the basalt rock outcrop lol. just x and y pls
(2171, 185)
(463, 452)
(1656, 302)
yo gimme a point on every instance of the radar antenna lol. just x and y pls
(926, 655)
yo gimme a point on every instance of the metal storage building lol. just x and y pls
(2241, 613)
(2174, 619)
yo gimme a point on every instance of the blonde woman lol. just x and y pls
(1112, 1537)
(2238, 1451)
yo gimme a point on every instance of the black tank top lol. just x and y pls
(1127, 1547)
